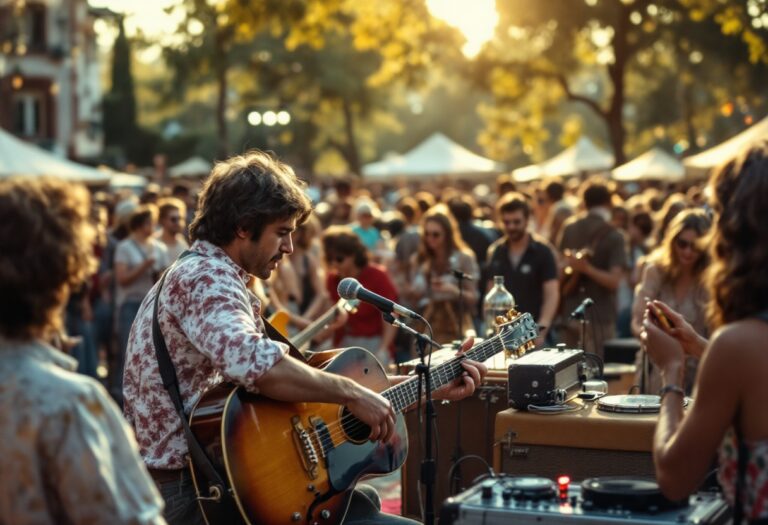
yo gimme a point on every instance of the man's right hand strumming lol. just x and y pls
(375, 411)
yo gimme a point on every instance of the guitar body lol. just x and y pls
(295, 462)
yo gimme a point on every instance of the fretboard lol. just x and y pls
(407, 393)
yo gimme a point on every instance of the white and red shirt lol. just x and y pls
(212, 328)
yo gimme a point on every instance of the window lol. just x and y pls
(29, 115)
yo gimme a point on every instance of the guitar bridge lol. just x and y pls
(306, 448)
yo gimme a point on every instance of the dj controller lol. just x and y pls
(603, 500)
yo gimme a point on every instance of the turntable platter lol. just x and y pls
(637, 404)
(627, 493)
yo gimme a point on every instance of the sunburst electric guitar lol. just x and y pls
(298, 462)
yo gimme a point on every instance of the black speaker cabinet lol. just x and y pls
(470, 420)
(580, 444)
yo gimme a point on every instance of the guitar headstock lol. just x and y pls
(518, 332)
(350, 305)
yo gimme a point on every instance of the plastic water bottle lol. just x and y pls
(497, 302)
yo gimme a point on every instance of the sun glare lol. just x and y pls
(476, 20)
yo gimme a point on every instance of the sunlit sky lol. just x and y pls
(476, 19)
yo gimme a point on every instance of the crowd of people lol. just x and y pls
(678, 267)
(433, 249)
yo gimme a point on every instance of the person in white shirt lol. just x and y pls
(172, 214)
(139, 260)
(68, 455)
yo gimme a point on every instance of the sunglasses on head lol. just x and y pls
(685, 245)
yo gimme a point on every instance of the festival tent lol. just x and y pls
(127, 181)
(192, 167)
(583, 156)
(701, 163)
(18, 157)
(654, 164)
(437, 155)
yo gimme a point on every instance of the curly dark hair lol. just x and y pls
(343, 241)
(737, 279)
(248, 192)
(47, 241)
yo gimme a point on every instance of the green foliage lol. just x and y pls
(648, 70)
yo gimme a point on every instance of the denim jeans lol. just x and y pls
(181, 508)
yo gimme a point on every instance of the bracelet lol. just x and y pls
(670, 388)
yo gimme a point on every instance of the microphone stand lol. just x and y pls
(580, 317)
(428, 462)
(455, 481)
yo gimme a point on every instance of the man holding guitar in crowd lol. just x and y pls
(595, 260)
(211, 325)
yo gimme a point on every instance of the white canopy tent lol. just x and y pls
(582, 156)
(127, 181)
(654, 164)
(701, 163)
(192, 167)
(24, 159)
(437, 155)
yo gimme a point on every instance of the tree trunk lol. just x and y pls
(221, 66)
(352, 157)
(616, 71)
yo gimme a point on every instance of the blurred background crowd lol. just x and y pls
(429, 247)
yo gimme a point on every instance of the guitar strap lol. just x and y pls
(275, 335)
(171, 384)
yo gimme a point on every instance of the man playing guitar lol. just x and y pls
(211, 324)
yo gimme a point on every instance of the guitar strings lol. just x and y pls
(336, 431)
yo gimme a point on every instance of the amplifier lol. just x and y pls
(602, 500)
(545, 377)
(582, 443)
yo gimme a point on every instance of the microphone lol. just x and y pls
(350, 288)
(458, 274)
(461, 275)
(578, 313)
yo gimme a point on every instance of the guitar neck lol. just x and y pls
(406, 393)
(314, 327)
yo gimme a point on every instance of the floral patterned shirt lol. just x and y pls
(214, 333)
(67, 455)
(755, 496)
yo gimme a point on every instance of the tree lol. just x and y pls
(120, 102)
(548, 53)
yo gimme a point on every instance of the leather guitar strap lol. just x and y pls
(171, 384)
(275, 335)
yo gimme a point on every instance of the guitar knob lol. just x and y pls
(325, 514)
(296, 516)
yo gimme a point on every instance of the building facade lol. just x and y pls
(50, 78)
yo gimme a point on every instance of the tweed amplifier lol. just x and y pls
(582, 443)
(545, 377)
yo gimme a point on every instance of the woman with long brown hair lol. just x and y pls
(674, 274)
(729, 414)
(435, 286)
